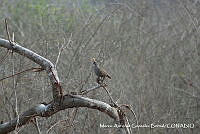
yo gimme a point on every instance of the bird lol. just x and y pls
(100, 72)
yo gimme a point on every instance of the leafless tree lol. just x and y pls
(60, 101)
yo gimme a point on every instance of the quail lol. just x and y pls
(101, 73)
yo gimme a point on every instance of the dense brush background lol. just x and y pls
(151, 48)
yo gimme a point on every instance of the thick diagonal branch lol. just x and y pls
(43, 62)
(70, 101)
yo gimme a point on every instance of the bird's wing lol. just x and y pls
(104, 73)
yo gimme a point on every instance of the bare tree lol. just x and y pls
(60, 101)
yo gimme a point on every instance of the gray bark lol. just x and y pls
(59, 102)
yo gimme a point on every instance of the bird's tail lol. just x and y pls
(109, 76)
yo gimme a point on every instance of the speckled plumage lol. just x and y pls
(101, 73)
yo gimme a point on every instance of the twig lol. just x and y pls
(55, 125)
(37, 126)
(115, 104)
(8, 34)
(73, 118)
(187, 93)
(33, 69)
(190, 15)
(13, 37)
(128, 124)
(15, 92)
(132, 111)
(119, 97)
(7, 31)
(99, 26)
(104, 87)
(4, 57)
(90, 89)
(35, 122)
(62, 48)
(63, 121)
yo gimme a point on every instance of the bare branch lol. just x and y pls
(115, 104)
(90, 89)
(62, 48)
(104, 87)
(33, 69)
(7, 31)
(35, 122)
(70, 101)
(43, 62)
(67, 101)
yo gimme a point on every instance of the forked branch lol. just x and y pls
(68, 101)
(46, 110)
(43, 62)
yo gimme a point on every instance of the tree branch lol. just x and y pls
(70, 101)
(43, 62)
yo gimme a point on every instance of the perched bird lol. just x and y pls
(101, 73)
